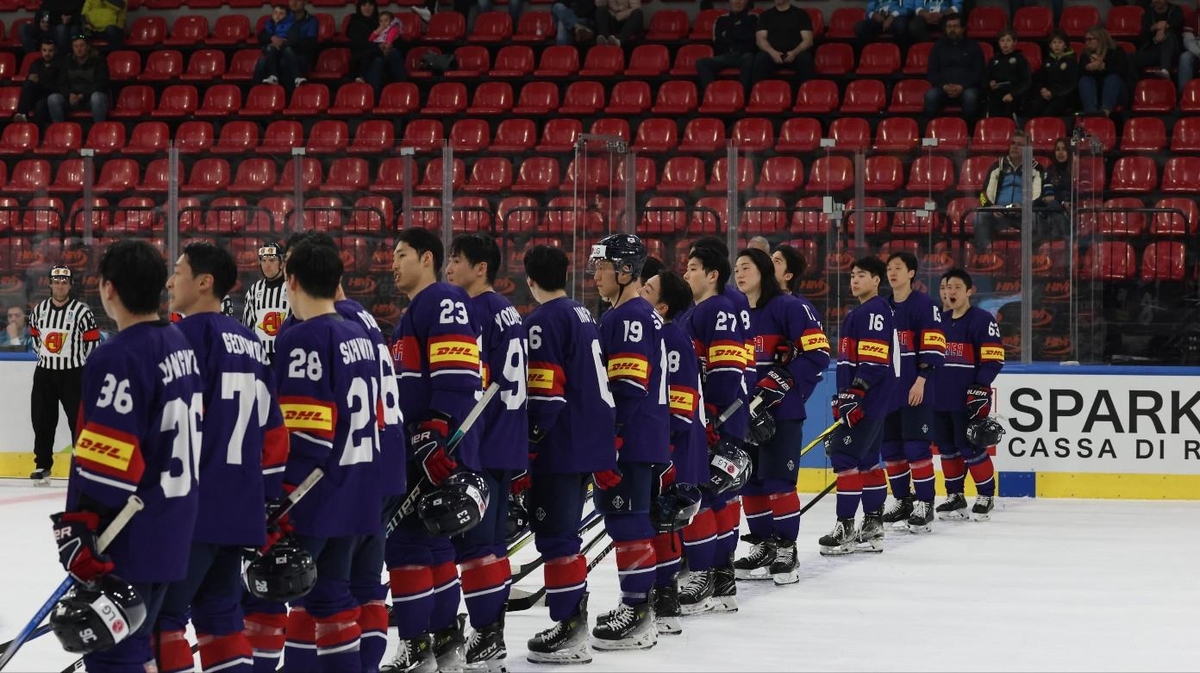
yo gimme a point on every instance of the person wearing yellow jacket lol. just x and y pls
(105, 19)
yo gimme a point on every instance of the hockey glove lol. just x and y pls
(75, 534)
(979, 402)
(428, 446)
(606, 479)
(666, 477)
(711, 434)
(280, 529)
(850, 405)
(762, 428)
(519, 483)
(785, 352)
(770, 390)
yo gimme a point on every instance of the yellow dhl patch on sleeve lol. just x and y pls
(630, 367)
(726, 354)
(682, 401)
(308, 416)
(814, 342)
(933, 340)
(542, 379)
(994, 353)
(875, 351)
(103, 449)
(453, 352)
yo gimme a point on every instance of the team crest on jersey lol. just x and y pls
(55, 341)
(540, 514)
(847, 440)
(271, 322)
(618, 502)
(925, 428)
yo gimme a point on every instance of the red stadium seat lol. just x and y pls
(309, 174)
(146, 31)
(770, 96)
(723, 97)
(1101, 128)
(264, 100)
(743, 177)
(446, 27)
(931, 174)
(817, 19)
(134, 102)
(18, 138)
(648, 60)
(491, 98)
(537, 175)
(781, 174)
(583, 99)
(148, 138)
(281, 136)
(914, 219)
(703, 134)
(470, 62)
(446, 98)
(470, 213)
(1164, 261)
(972, 174)
(764, 216)
(537, 98)
(1145, 134)
(60, 139)
(611, 127)
(470, 135)
(390, 174)
(204, 65)
(629, 97)
(1077, 19)
(397, 99)
(207, 175)
(799, 135)
(916, 61)
(1181, 175)
(864, 96)
(333, 64)
(874, 221)
(753, 134)
(908, 96)
(534, 27)
(156, 177)
(992, 134)
(558, 61)
(194, 137)
(372, 214)
(163, 65)
(686, 57)
(675, 97)
(230, 30)
(220, 100)
(667, 25)
(373, 136)
(352, 100)
(347, 174)
(187, 31)
(431, 180)
(513, 61)
(682, 174)
(308, 100)
(841, 22)
(124, 66)
(1182, 223)
(984, 23)
(237, 137)
(1109, 260)
(491, 28)
(831, 174)
(1033, 54)
(663, 215)
(705, 24)
(885, 173)
(559, 135)
(951, 133)
(878, 59)
(1033, 23)
(1043, 131)
(656, 136)
(328, 136)
(603, 60)
(1124, 22)
(178, 100)
(834, 59)
(807, 217)
(135, 214)
(67, 180)
(1121, 217)
(515, 135)
(1134, 174)
(1153, 95)
(707, 217)
(424, 135)
(850, 134)
(645, 174)
(105, 137)
(241, 65)
(897, 134)
(817, 97)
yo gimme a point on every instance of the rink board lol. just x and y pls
(1072, 431)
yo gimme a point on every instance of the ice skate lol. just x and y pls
(784, 570)
(922, 518)
(449, 647)
(564, 643)
(695, 596)
(840, 540)
(40, 477)
(870, 533)
(415, 655)
(954, 509)
(897, 515)
(724, 598)
(666, 609)
(757, 564)
(486, 651)
(983, 507)
(629, 627)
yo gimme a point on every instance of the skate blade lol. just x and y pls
(955, 515)
(919, 528)
(872, 547)
(642, 641)
(754, 574)
(668, 626)
(784, 579)
(724, 604)
(576, 655)
(42, 482)
(489, 666)
(451, 665)
(693, 609)
(840, 550)
(899, 527)
(987, 516)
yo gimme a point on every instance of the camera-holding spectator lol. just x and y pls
(884, 17)
(16, 333)
(1006, 77)
(734, 45)
(1161, 39)
(955, 70)
(105, 19)
(38, 85)
(289, 41)
(1106, 74)
(81, 82)
(618, 21)
(785, 40)
(1003, 193)
(572, 20)
(1055, 90)
(374, 46)
(56, 20)
(927, 16)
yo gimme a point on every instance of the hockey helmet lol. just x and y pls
(286, 572)
(96, 616)
(729, 467)
(984, 432)
(518, 519)
(627, 253)
(270, 248)
(456, 506)
(675, 507)
(60, 272)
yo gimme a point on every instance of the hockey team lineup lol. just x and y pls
(282, 465)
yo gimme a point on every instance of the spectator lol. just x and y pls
(955, 70)
(1106, 73)
(884, 16)
(1056, 194)
(760, 243)
(56, 19)
(105, 19)
(289, 42)
(17, 331)
(1162, 38)
(572, 19)
(1007, 77)
(1191, 50)
(81, 81)
(1055, 90)
(1003, 193)
(785, 38)
(374, 50)
(927, 15)
(618, 21)
(733, 45)
(38, 85)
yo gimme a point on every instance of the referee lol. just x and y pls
(64, 333)
(267, 301)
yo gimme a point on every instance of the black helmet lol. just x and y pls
(984, 432)
(518, 519)
(627, 252)
(286, 572)
(456, 506)
(96, 616)
(729, 467)
(675, 507)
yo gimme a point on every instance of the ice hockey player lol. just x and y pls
(632, 343)
(867, 374)
(974, 357)
(789, 267)
(142, 405)
(791, 353)
(908, 429)
(571, 437)
(436, 352)
(328, 382)
(243, 441)
(482, 551)
(719, 342)
(267, 299)
(670, 296)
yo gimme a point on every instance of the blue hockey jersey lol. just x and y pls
(974, 356)
(689, 449)
(719, 341)
(631, 337)
(505, 444)
(787, 318)
(922, 343)
(868, 351)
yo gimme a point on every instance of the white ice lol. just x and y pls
(1078, 585)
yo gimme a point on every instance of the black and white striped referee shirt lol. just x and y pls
(266, 309)
(63, 336)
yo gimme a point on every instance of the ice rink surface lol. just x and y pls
(1072, 585)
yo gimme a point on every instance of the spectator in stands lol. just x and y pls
(16, 333)
(1003, 191)
(1161, 40)
(374, 46)
(1106, 73)
(1191, 49)
(1006, 77)
(1055, 90)
(884, 16)
(618, 21)
(760, 243)
(56, 20)
(38, 85)
(927, 15)
(81, 82)
(1056, 195)
(573, 20)
(785, 40)
(289, 41)
(733, 45)
(955, 70)
(105, 19)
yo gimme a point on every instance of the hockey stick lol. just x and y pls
(519, 599)
(822, 494)
(409, 505)
(293, 498)
(132, 506)
(591, 521)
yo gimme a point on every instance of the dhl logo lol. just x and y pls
(626, 366)
(271, 322)
(726, 354)
(307, 417)
(682, 401)
(933, 340)
(540, 379)
(102, 449)
(991, 353)
(814, 342)
(55, 341)
(872, 349)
